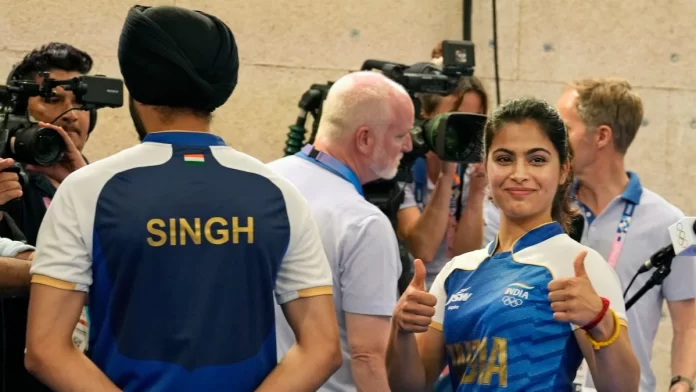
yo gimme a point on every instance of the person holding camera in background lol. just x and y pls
(521, 314)
(603, 116)
(62, 61)
(445, 211)
(24, 203)
(362, 135)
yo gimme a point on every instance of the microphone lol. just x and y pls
(683, 236)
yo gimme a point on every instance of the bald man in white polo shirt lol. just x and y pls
(362, 135)
(603, 116)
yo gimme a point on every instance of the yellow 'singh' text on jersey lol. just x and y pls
(215, 230)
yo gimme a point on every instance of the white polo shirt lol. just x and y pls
(646, 234)
(362, 250)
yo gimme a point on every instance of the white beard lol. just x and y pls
(386, 172)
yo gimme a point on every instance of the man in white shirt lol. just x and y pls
(603, 116)
(362, 135)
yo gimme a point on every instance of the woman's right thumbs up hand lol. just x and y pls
(416, 307)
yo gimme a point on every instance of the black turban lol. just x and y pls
(171, 56)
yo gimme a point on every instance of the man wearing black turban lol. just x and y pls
(176, 59)
(180, 241)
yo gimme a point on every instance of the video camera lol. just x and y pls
(453, 137)
(22, 139)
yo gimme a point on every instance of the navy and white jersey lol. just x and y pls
(182, 243)
(496, 317)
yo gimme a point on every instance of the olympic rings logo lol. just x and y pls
(512, 301)
(681, 235)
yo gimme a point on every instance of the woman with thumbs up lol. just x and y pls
(522, 313)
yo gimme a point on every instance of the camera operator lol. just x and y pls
(362, 135)
(603, 116)
(22, 218)
(61, 61)
(445, 211)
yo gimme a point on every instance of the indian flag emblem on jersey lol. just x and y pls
(194, 159)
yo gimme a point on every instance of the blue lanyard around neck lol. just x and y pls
(326, 161)
(621, 232)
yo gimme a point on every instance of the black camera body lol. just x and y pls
(423, 78)
(455, 137)
(22, 139)
(458, 60)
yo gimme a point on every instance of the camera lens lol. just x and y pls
(456, 136)
(48, 147)
(38, 146)
(463, 141)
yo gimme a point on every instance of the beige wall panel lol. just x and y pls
(507, 20)
(646, 155)
(562, 40)
(680, 174)
(7, 61)
(679, 72)
(264, 105)
(65, 21)
(335, 34)
(550, 92)
(255, 120)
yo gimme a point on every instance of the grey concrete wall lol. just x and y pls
(285, 46)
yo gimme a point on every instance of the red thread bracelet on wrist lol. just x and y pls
(599, 317)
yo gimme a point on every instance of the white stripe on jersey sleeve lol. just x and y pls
(557, 254)
(63, 257)
(467, 262)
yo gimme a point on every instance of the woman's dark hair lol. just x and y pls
(527, 108)
(467, 84)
